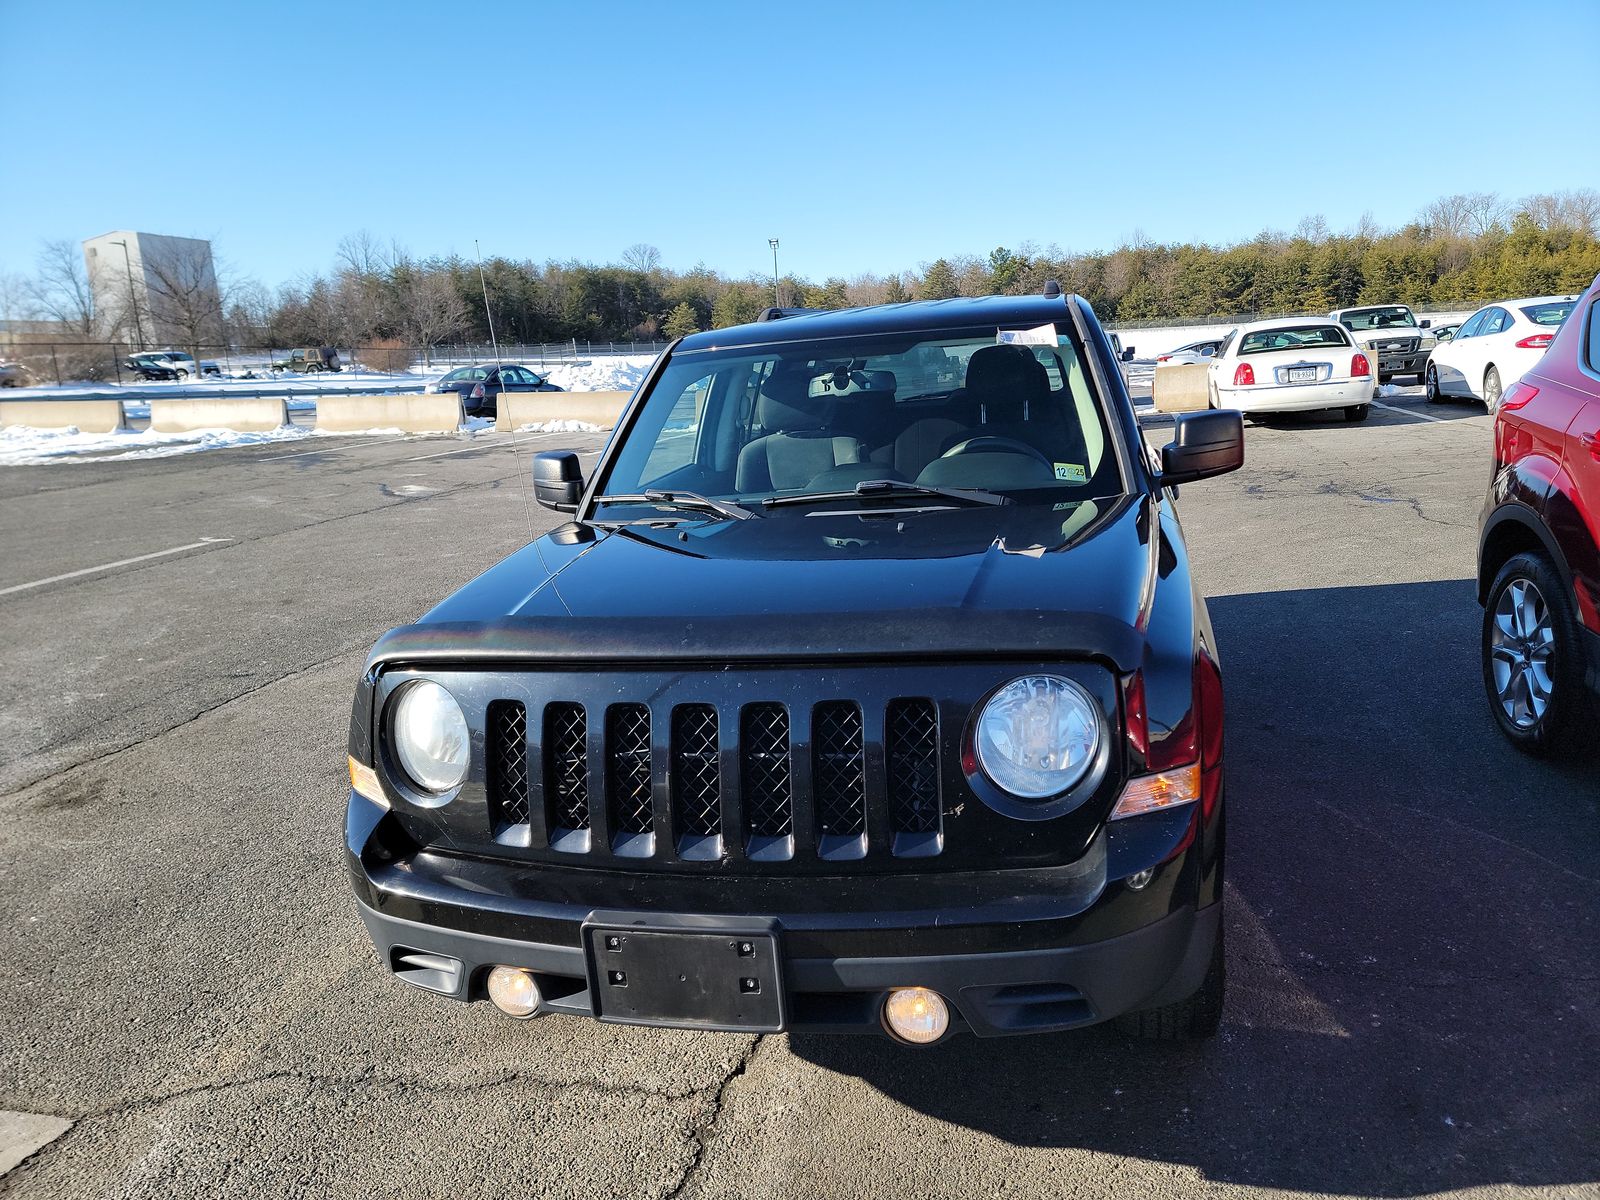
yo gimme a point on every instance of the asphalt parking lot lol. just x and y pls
(1412, 924)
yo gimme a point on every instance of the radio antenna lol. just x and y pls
(516, 447)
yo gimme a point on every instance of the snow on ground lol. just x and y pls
(613, 373)
(22, 446)
(559, 427)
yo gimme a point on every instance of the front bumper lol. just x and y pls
(1414, 362)
(1016, 951)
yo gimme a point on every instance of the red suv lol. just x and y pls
(1539, 552)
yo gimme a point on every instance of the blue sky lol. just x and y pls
(867, 136)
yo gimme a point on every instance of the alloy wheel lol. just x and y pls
(1491, 389)
(1521, 645)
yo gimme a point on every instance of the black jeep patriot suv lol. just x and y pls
(867, 689)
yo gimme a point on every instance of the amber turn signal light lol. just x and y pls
(1164, 789)
(365, 781)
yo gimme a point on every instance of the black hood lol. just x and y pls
(1069, 580)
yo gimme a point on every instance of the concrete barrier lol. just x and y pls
(247, 414)
(90, 416)
(1181, 387)
(517, 409)
(430, 413)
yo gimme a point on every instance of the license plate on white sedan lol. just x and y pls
(1302, 374)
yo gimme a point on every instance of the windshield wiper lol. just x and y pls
(891, 489)
(689, 500)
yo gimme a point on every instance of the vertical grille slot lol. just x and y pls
(628, 779)
(566, 773)
(766, 782)
(507, 736)
(911, 747)
(839, 779)
(696, 781)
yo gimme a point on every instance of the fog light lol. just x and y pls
(916, 1015)
(514, 992)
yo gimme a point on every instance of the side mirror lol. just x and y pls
(1127, 354)
(557, 480)
(1426, 324)
(1203, 444)
(1209, 352)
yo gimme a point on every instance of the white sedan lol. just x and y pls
(1494, 347)
(1194, 352)
(1292, 364)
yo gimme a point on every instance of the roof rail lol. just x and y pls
(777, 314)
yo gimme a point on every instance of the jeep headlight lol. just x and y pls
(1037, 736)
(429, 736)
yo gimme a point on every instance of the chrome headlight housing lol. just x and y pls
(1038, 736)
(428, 732)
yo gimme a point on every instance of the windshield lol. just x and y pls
(951, 409)
(1377, 318)
(1549, 314)
(1266, 341)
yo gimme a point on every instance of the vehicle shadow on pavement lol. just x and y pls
(1412, 921)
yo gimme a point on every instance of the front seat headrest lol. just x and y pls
(1005, 380)
(784, 404)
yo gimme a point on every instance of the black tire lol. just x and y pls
(1567, 721)
(1357, 412)
(1430, 381)
(1192, 1020)
(182, 374)
(1492, 391)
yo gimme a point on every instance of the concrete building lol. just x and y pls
(155, 290)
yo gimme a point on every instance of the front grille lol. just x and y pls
(566, 766)
(696, 781)
(800, 782)
(507, 748)
(628, 768)
(911, 745)
(768, 782)
(839, 769)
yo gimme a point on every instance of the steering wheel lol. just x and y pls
(989, 444)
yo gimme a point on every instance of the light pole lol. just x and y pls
(133, 298)
(773, 242)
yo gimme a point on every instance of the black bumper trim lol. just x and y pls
(1028, 991)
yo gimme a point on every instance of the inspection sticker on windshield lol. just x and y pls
(1044, 335)
(1071, 473)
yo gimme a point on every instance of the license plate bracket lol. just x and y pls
(1302, 374)
(689, 978)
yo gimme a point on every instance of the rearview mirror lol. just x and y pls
(1203, 444)
(557, 480)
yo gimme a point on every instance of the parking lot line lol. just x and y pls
(325, 449)
(121, 562)
(532, 437)
(1406, 412)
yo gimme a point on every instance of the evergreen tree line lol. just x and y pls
(1460, 251)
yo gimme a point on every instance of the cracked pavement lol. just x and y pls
(1412, 913)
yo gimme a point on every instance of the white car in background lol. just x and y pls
(1194, 352)
(1292, 364)
(1494, 347)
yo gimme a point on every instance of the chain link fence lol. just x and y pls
(38, 362)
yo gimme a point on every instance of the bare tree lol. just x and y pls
(641, 257)
(1465, 214)
(14, 297)
(1577, 210)
(185, 297)
(62, 290)
(430, 309)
